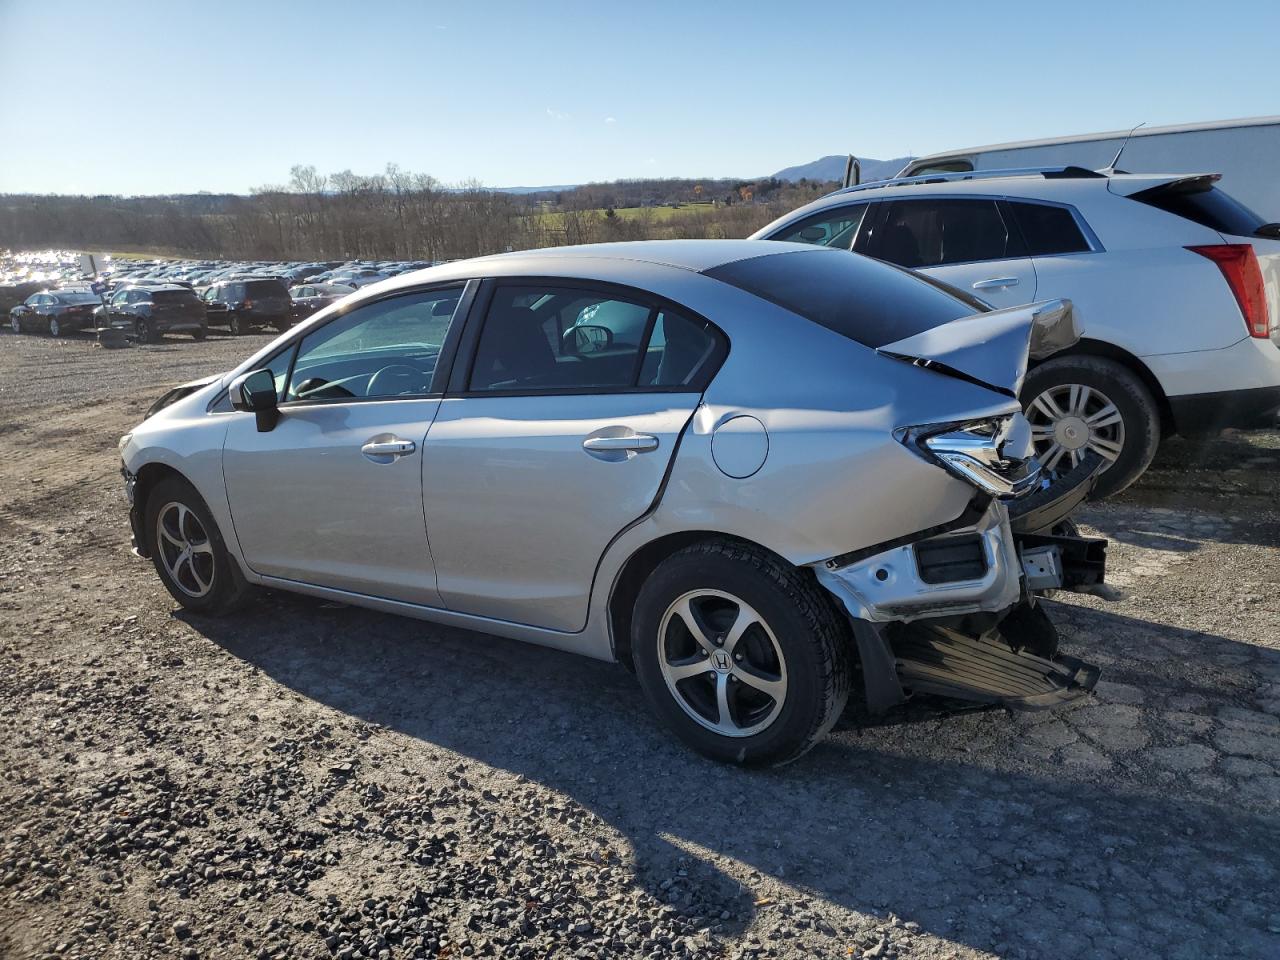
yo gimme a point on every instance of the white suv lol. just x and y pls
(1176, 288)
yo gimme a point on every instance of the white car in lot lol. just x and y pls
(1176, 288)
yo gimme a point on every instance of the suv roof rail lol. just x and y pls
(1049, 173)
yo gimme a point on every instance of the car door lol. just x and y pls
(964, 241)
(552, 440)
(332, 496)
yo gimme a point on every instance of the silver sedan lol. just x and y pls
(750, 472)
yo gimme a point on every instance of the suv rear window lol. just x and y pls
(1048, 230)
(1201, 202)
(173, 296)
(867, 301)
(265, 288)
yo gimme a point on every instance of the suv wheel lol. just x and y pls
(188, 551)
(1076, 404)
(739, 654)
(201, 333)
(235, 325)
(54, 327)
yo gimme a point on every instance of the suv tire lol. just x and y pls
(142, 331)
(1096, 403)
(188, 551)
(761, 623)
(235, 325)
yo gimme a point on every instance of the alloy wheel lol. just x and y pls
(15, 324)
(185, 549)
(1070, 419)
(54, 328)
(722, 663)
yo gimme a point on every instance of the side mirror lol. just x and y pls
(587, 338)
(255, 392)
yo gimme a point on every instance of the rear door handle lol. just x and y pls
(995, 282)
(637, 442)
(384, 451)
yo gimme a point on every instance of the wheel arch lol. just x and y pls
(1109, 351)
(149, 475)
(642, 562)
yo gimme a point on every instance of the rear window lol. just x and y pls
(265, 288)
(1201, 202)
(860, 298)
(1048, 230)
(173, 296)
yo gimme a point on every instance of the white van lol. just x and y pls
(1246, 153)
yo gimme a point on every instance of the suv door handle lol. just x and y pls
(638, 442)
(995, 282)
(384, 451)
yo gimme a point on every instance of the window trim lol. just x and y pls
(464, 362)
(444, 363)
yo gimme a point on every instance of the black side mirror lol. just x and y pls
(255, 392)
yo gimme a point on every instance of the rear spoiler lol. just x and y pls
(992, 349)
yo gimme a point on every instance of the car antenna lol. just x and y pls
(1111, 167)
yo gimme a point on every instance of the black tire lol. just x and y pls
(15, 324)
(142, 331)
(1139, 415)
(235, 326)
(53, 327)
(227, 589)
(812, 641)
(200, 334)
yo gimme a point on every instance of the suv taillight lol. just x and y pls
(1239, 266)
(246, 305)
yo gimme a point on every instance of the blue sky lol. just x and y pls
(127, 96)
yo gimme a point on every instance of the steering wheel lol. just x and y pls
(317, 388)
(397, 379)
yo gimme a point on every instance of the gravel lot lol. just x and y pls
(307, 780)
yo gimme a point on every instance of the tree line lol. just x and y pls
(394, 215)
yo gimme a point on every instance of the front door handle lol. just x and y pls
(384, 451)
(636, 442)
(996, 282)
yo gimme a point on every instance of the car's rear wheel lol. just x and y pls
(188, 551)
(740, 654)
(201, 333)
(55, 328)
(1081, 404)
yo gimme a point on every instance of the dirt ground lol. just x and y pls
(307, 780)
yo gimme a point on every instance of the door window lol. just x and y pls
(539, 339)
(933, 233)
(832, 228)
(388, 348)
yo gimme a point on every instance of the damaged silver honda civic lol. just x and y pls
(756, 474)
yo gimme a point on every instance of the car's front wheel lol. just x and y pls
(15, 324)
(236, 326)
(55, 328)
(188, 551)
(1080, 404)
(740, 654)
(201, 333)
(142, 331)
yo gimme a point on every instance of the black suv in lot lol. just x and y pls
(149, 312)
(249, 303)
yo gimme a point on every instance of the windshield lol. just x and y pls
(865, 300)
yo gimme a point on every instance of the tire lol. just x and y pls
(15, 324)
(795, 637)
(200, 334)
(142, 331)
(54, 328)
(235, 325)
(210, 581)
(1061, 395)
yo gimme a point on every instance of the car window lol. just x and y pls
(388, 348)
(682, 352)
(1199, 201)
(831, 228)
(933, 233)
(1048, 229)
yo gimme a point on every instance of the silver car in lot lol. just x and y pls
(751, 472)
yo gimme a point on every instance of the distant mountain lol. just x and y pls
(832, 168)
(557, 188)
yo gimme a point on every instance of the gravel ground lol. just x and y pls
(308, 780)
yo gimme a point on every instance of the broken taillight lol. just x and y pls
(1239, 265)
